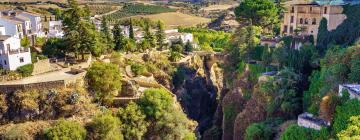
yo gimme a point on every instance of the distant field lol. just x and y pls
(217, 7)
(174, 19)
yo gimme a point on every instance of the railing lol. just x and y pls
(15, 51)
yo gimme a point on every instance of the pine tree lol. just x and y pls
(105, 29)
(323, 32)
(160, 35)
(131, 30)
(118, 37)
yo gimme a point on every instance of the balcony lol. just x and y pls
(17, 51)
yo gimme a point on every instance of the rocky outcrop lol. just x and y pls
(200, 90)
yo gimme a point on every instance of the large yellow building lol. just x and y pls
(303, 17)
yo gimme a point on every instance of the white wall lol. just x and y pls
(11, 28)
(13, 59)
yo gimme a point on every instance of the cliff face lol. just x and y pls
(200, 90)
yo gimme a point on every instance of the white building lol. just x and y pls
(36, 25)
(55, 29)
(174, 34)
(308, 120)
(12, 55)
(353, 90)
(12, 27)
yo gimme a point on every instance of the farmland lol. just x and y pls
(175, 19)
(139, 9)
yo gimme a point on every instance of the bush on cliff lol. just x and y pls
(66, 130)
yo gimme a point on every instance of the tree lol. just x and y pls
(148, 36)
(134, 125)
(160, 35)
(352, 130)
(118, 37)
(105, 80)
(322, 36)
(167, 121)
(262, 13)
(294, 132)
(131, 30)
(258, 131)
(81, 35)
(104, 127)
(105, 28)
(129, 45)
(343, 114)
(188, 47)
(25, 42)
(54, 47)
(66, 130)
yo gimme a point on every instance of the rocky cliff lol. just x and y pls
(200, 88)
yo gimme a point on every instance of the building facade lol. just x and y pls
(12, 55)
(55, 29)
(303, 17)
(36, 25)
(12, 27)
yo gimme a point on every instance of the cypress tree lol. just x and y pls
(131, 30)
(322, 37)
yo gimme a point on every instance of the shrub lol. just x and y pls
(104, 127)
(25, 70)
(105, 80)
(66, 130)
(138, 69)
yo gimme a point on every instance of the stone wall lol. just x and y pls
(43, 66)
(42, 86)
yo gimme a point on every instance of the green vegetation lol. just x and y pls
(105, 80)
(352, 130)
(294, 132)
(139, 9)
(217, 40)
(166, 119)
(138, 69)
(25, 42)
(25, 70)
(66, 130)
(134, 125)
(104, 127)
(262, 13)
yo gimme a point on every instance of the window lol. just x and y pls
(8, 47)
(21, 59)
(306, 21)
(314, 21)
(5, 62)
(291, 29)
(310, 9)
(292, 19)
(285, 29)
(325, 10)
(292, 9)
(301, 21)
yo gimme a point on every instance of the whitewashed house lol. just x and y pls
(174, 34)
(308, 120)
(55, 29)
(36, 25)
(12, 27)
(12, 55)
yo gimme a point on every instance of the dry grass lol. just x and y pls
(217, 7)
(175, 19)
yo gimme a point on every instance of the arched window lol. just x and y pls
(306, 21)
(301, 21)
(314, 21)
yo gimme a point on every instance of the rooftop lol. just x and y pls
(353, 87)
(322, 2)
(4, 37)
(311, 118)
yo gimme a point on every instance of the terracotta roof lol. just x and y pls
(4, 37)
